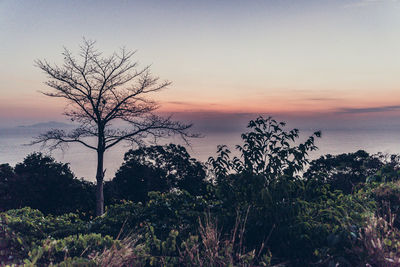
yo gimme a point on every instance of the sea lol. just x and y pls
(14, 146)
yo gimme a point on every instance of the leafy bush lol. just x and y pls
(119, 219)
(324, 230)
(32, 223)
(24, 229)
(163, 211)
(75, 246)
(295, 220)
(170, 211)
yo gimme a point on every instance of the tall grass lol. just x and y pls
(378, 243)
(209, 248)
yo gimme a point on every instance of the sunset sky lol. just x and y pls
(324, 61)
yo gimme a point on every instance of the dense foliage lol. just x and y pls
(270, 205)
(157, 168)
(345, 171)
(42, 183)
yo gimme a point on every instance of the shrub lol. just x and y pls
(163, 211)
(24, 229)
(174, 211)
(75, 246)
(119, 219)
(296, 221)
(324, 230)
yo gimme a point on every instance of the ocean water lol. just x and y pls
(83, 161)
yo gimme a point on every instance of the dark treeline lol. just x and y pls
(51, 187)
(271, 206)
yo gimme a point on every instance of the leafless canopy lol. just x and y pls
(102, 90)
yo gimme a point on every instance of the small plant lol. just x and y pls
(53, 251)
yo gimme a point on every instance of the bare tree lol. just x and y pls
(101, 91)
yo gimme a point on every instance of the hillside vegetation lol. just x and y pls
(270, 206)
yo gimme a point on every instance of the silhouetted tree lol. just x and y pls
(344, 171)
(42, 183)
(158, 168)
(101, 91)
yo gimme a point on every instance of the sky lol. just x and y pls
(330, 63)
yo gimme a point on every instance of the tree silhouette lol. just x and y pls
(101, 91)
(44, 184)
(345, 171)
(158, 168)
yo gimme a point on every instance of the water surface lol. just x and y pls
(83, 161)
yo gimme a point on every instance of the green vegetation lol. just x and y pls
(270, 206)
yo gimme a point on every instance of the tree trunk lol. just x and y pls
(99, 186)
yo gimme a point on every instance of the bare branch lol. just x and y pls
(153, 126)
(56, 138)
(102, 90)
